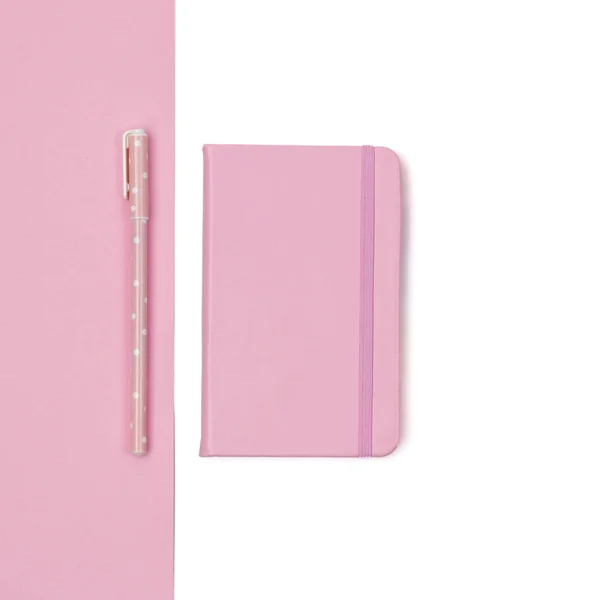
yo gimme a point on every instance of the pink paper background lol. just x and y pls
(80, 518)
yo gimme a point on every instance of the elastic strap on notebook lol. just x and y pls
(365, 339)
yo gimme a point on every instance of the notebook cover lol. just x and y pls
(80, 517)
(301, 324)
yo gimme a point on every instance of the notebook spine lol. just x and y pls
(204, 441)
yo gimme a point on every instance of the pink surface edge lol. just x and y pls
(82, 517)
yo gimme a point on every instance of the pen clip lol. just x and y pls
(126, 160)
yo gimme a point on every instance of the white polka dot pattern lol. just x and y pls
(138, 197)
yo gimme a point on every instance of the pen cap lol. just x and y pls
(136, 172)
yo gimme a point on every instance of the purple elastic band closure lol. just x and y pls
(367, 256)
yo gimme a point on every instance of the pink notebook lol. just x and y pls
(80, 517)
(301, 309)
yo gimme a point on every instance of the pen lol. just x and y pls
(135, 190)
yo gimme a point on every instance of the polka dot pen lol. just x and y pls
(135, 190)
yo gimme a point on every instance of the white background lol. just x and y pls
(494, 109)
